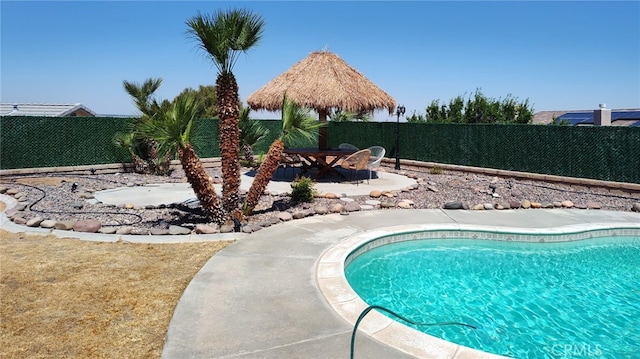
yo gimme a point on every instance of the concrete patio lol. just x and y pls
(261, 297)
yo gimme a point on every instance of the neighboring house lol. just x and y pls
(48, 110)
(622, 117)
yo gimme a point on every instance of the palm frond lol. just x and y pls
(171, 126)
(143, 93)
(344, 116)
(206, 31)
(226, 33)
(251, 131)
(298, 124)
(125, 140)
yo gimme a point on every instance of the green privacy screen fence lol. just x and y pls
(28, 142)
(605, 153)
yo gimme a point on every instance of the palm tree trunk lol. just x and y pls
(229, 137)
(263, 177)
(248, 155)
(202, 187)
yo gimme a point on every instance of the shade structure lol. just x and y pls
(322, 81)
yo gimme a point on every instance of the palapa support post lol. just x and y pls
(322, 132)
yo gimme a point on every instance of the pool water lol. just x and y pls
(527, 300)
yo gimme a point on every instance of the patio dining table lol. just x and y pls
(322, 159)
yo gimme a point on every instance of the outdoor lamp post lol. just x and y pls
(399, 111)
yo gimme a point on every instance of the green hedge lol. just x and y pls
(606, 153)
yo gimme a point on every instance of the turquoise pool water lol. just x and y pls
(527, 300)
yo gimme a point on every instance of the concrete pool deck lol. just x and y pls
(275, 293)
(269, 295)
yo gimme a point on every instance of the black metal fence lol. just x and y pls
(606, 153)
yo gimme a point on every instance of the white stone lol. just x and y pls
(285, 216)
(403, 204)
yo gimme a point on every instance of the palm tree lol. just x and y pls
(171, 129)
(344, 116)
(251, 133)
(297, 125)
(223, 36)
(144, 151)
(143, 94)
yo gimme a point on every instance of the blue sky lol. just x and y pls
(558, 55)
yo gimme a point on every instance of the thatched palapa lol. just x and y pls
(322, 81)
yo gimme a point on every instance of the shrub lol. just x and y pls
(436, 170)
(477, 109)
(302, 189)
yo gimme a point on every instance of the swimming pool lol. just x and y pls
(527, 299)
(332, 282)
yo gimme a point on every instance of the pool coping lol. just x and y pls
(333, 285)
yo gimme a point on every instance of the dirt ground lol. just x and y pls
(63, 298)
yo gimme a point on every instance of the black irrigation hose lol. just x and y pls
(91, 176)
(44, 195)
(371, 307)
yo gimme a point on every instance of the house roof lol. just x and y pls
(620, 117)
(49, 110)
(624, 118)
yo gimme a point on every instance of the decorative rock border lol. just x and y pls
(19, 214)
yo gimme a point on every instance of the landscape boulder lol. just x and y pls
(65, 225)
(454, 205)
(87, 225)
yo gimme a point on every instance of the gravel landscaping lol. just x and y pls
(67, 201)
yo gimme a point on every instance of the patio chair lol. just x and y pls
(356, 162)
(377, 154)
(347, 146)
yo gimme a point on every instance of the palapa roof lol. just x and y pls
(322, 81)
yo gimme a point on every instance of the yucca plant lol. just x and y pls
(298, 125)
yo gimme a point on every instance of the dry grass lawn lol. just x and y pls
(63, 298)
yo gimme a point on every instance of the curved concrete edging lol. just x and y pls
(275, 293)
